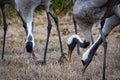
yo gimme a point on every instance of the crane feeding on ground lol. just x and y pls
(25, 9)
(105, 14)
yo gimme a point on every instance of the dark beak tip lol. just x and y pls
(83, 70)
(70, 50)
(83, 62)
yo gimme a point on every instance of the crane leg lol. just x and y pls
(105, 51)
(75, 26)
(48, 34)
(4, 28)
(58, 30)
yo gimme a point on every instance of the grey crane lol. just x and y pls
(85, 14)
(75, 26)
(25, 9)
(105, 14)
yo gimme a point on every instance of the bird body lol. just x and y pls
(88, 11)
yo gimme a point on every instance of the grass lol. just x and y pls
(15, 67)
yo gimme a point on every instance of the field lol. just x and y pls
(15, 67)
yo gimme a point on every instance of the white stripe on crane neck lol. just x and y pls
(86, 54)
(70, 39)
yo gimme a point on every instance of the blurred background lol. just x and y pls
(14, 66)
(59, 7)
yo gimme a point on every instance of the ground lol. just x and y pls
(14, 65)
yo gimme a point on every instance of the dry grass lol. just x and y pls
(14, 66)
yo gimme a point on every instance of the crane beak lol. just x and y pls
(69, 54)
(70, 50)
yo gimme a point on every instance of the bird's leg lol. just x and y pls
(101, 26)
(105, 51)
(75, 26)
(4, 28)
(48, 34)
(92, 39)
(56, 22)
(105, 47)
